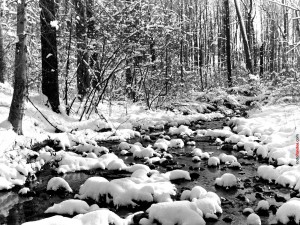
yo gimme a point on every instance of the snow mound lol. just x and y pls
(24, 191)
(227, 180)
(100, 216)
(124, 146)
(72, 162)
(182, 129)
(198, 152)
(213, 161)
(267, 172)
(162, 144)
(70, 207)
(176, 143)
(172, 213)
(262, 205)
(225, 132)
(253, 219)
(56, 183)
(290, 209)
(98, 150)
(127, 191)
(224, 158)
(197, 192)
(209, 206)
(178, 174)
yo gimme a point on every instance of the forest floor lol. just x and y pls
(214, 159)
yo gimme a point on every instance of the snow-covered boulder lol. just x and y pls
(262, 205)
(175, 213)
(224, 158)
(227, 180)
(267, 172)
(213, 161)
(253, 219)
(176, 143)
(70, 207)
(56, 183)
(290, 209)
(209, 206)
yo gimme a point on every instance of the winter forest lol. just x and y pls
(149, 112)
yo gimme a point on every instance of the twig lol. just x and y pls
(44, 116)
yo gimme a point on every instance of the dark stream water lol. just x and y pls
(15, 209)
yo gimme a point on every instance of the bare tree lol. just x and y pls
(245, 39)
(227, 31)
(20, 85)
(2, 62)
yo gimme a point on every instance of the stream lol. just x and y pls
(16, 209)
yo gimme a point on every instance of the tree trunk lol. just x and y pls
(227, 29)
(20, 85)
(2, 61)
(245, 39)
(49, 54)
(83, 79)
(261, 56)
(273, 46)
(285, 37)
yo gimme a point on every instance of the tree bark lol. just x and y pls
(261, 57)
(50, 86)
(2, 61)
(245, 39)
(285, 37)
(228, 53)
(83, 79)
(20, 85)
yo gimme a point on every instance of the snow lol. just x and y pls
(263, 205)
(213, 161)
(98, 150)
(283, 175)
(124, 146)
(197, 192)
(100, 216)
(182, 129)
(224, 158)
(196, 159)
(138, 187)
(178, 174)
(56, 183)
(248, 210)
(226, 180)
(70, 207)
(290, 209)
(209, 206)
(54, 24)
(176, 143)
(253, 219)
(23, 191)
(179, 212)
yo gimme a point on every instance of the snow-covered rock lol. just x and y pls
(227, 180)
(213, 161)
(175, 213)
(176, 143)
(70, 206)
(224, 158)
(262, 205)
(56, 183)
(253, 219)
(290, 209)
